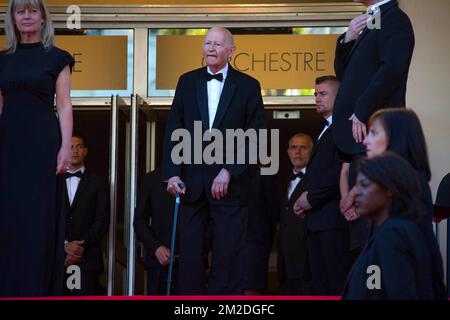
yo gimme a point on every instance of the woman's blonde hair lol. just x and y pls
(13, 35)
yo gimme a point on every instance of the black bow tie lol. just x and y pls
(217, 76)
(294, 176)
(325, 123)
(73, 174)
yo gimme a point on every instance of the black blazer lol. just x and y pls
(322, 183)
(398, 248)
(153, 217)
(88, 218)
(373, 71)
(240, 107)
(292, 252)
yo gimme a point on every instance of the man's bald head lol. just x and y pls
(228, 35)
(218, 48)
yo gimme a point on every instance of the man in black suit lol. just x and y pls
(153, 225)
(217, 98)
(293, 251)
(319, 203)
(372, 66)
(87, 219)
(372, 63)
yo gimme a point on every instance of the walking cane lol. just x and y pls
(172, 242)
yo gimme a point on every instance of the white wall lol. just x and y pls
(429, 84)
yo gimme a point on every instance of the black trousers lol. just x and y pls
(229, 226)
(157, 279)
(295, 287)
(329, 260)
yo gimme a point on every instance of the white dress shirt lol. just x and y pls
(293, 184)
(72, 184)
(330, 121)
(214, 91)
(374, 8)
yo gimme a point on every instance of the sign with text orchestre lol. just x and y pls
(277, 61)
(100, 61)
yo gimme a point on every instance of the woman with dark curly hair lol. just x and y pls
(395, 262)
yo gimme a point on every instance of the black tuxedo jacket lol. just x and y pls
(292, 252)
(398, 248)
(153, 217)
(88, 218)
(322, 183)
(373, 71)
(240, 107)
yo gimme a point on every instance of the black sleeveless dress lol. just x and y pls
(31, 221)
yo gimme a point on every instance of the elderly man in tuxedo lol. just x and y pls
(216, 97)
(293, 271)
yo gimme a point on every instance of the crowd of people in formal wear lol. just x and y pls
(354, 215)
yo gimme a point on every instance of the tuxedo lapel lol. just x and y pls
(66, 195)
(202, 98)
(225, 97)
(81, 186)
(357, 42)
(326, 135)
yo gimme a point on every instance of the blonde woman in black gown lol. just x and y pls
(35, 148)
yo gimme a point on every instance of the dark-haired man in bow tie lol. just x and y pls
(293, 271)
(87, 219)
(319, 203)
(216, 97)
